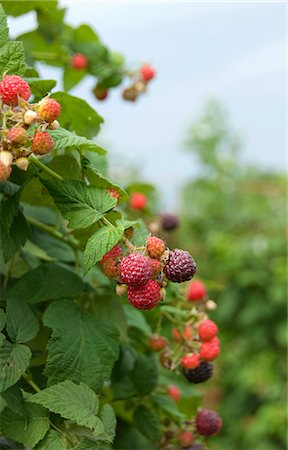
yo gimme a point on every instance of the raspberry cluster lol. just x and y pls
(17, 140)
(140, 81)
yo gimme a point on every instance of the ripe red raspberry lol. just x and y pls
(180, 266)
(42, 143)
(79, 61)
(5, 171)
(155, 247)
(190, 361)
(207, 330)
(135, 269)
(115, 252)
(157, 343)
(145, 296)
(114, 193)
(196, 291)
(210, 350)
(147, 72)
(138, 200)
(12, 87)
(185, 438)
(156, 267)
(100, 93)
(208, 422)
(17, 135)
(174, 392)
(49, 110)
(169, 221)
(188, 332)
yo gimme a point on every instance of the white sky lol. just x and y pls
(233, 51)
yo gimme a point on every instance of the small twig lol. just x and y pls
(44, 168)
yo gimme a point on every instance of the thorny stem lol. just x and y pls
(44, 168)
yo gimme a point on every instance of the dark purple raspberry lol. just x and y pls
(202, 373)
(180, 266)
(135, 269)
(208, 422)
(169, 221)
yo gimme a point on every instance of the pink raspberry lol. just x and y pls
(147, 72)
(17, 135)
(155, 247)
(79, 61)
(190, 361)
(196, 291)
(156, 267)
(12, 87)
(174, 392)
(186, 438)
(42, 143)
(49, 110)
(138, 200)
(135, 269)
(145, 296)
(207, 330)
(208, 422)
(157, 343)
(210, 350)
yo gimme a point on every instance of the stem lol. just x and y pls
(31, 382)
(107, 222)
(169, 317)
(49, 230)
(9, 270)
(46, 169)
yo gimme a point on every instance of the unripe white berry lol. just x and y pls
(22, 163)
(211, 305)
(6, 158)
(121, 289)
(54, 125)
(29, 116)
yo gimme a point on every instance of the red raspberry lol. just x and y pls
(100, 93)
(138, 200)
(42, 143)
(135, 269)
(114, 193)
(174, 392)
(145, 296)
(12, 87)
(210, 350)
(196, 291)
(5, 171)
(208, 422)
(190, 361)
(180, 266)
(147, 72)
(79, 61)
(110, 268)
(49, 110)
(157, 343)
(177, 336)
(115, 252)
(18, 135)
(186, 438)
(188, 332)
(207, 330)
(156, 267)
(155, 247)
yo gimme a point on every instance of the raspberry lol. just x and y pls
(185, 438)
(177, 337)
(100, 93)
(147, 72)
(114, 193)
(208, 422)
(12, 87)
(207, 330)
(29, 116)
(130, 94)
(79, 61)
(135, 269)
(210, 350)
(115, 252)
(22, 163)
(6, 158)
(110, 268)
(17, 135)
(138, 200)
(155, 247)
(42, 143)
(156, 267)
(180, 266)
(145, 296)
(174, 392)
(49, 110)
(157, 343)
(190, 361)
(196, 291)
(169, 221)
(188, 332)
(4, 171)
(202, 373)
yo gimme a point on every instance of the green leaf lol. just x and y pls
(137, 320)
(67, 165)
(87, 444)
(48, 282)
(14, 360)
(18, 233)
(81, 348)
(110, 309)
(99, 244)
(145, 374)
(12, 60)
(71, 78)
(124, 224)
(2, 319)
(22, 325)
(14, 399)
(64, 139)
(109, 420)
(28, 430)
(52, 441)
(77, 115)
(40, 88)
(147, 422)
(81, 205)
(72, 401)
(3, 27)
(167, 404)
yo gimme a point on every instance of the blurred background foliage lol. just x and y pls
(233, 221)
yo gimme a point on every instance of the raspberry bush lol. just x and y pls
(100, 344)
